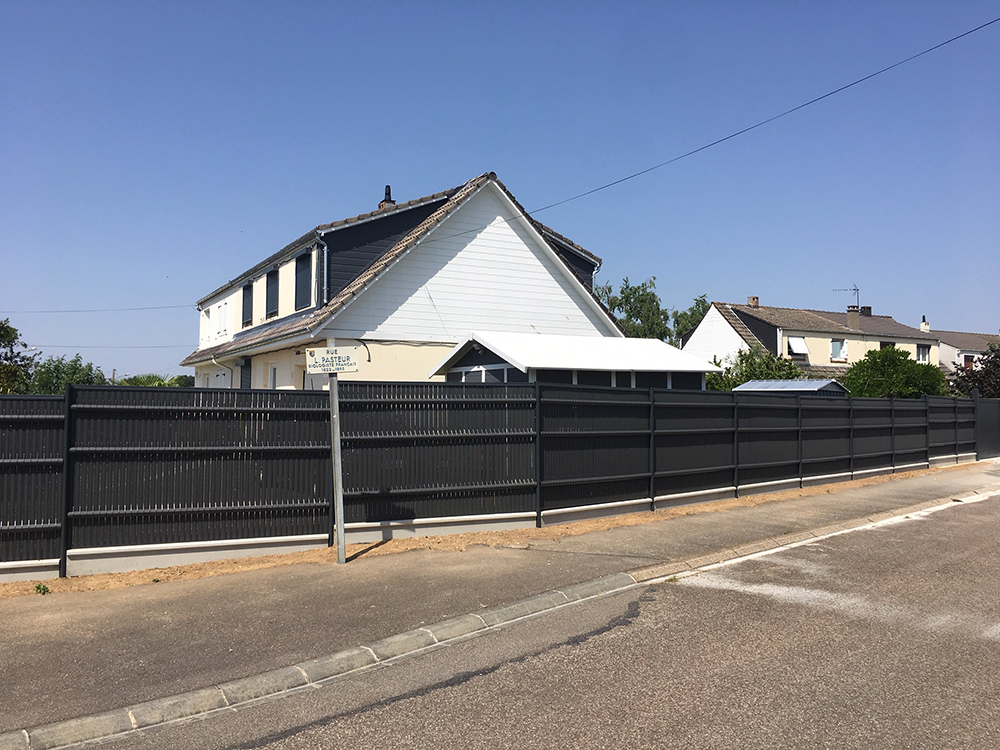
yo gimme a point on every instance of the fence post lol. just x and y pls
(954, 401)
(538, 455)
(652, 450)
(975, 423)
(798, 404)
(927, 428)
(736, 443)
(67, 479)
(892, 433)
(850, 432)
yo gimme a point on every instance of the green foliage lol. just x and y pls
(639, 312)
(52, 375)
(687, 320)
(152, 380)
(889, 372)
(637, 309)
(751, 364)
(41, 588)
(984, 375)
(15, 366)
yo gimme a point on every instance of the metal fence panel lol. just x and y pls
(31, 448)
(416, 450)
(160, 465)
(146, 466)
(988, 427)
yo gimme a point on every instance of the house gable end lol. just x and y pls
(482, 267)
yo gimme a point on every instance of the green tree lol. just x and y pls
(52, 375)
(890, 372)
(637, 309)
(687, 320)
(640, 313)
(984, 375)
(751, 364)
(152, 380)
(15, 365)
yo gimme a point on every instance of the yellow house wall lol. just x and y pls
(857, 347)
(396, 360)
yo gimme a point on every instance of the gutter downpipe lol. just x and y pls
(225, 367)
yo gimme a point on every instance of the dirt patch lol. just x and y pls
(445, 542)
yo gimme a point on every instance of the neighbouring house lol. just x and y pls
(824, 344)
(498, 357)
(960, 349)
(408, 281)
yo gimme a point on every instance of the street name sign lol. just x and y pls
(340, 359)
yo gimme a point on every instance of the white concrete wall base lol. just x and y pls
(686, 498)
(81, 562)
(761, 487)
(862, 474)
(583, 512)
(826, 479)
(380, 532)
(29, 570)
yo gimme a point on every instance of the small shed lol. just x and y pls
(500, 357)
(804, 387)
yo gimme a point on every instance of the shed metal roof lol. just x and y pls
(597, 353)
(791, 386)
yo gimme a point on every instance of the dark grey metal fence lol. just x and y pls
(108, 466)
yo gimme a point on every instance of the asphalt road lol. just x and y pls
(886, 637)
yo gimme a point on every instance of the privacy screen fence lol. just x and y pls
(108, 467)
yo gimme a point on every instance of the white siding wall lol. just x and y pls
(478, 271)
(218, 320)
(714, 337)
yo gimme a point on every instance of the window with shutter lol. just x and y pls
(248, 305)
(303, 281)
(272, 295)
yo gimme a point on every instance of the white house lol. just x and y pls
(959, 348)
(823, 344)
(408, 282)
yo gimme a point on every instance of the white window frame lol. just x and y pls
(926, 350)
(842, 357)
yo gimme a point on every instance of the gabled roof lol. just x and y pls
(815, 321)
(969, 342)
(309, 322)
(596, 353)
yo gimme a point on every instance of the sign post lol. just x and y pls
(331, 362)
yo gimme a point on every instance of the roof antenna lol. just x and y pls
(857, 293)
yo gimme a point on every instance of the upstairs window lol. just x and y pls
(838, 350)
(248, 305)
(797, 348)
(886, 344)
(303, 281)
(271, 310)
(924, 354)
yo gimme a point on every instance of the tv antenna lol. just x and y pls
(857, 293)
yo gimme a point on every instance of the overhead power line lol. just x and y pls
(115, 346)
(787, 112)
(96, 310)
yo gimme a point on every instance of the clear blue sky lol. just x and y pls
(151, 151)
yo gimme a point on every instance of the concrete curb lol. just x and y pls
(315, 672)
